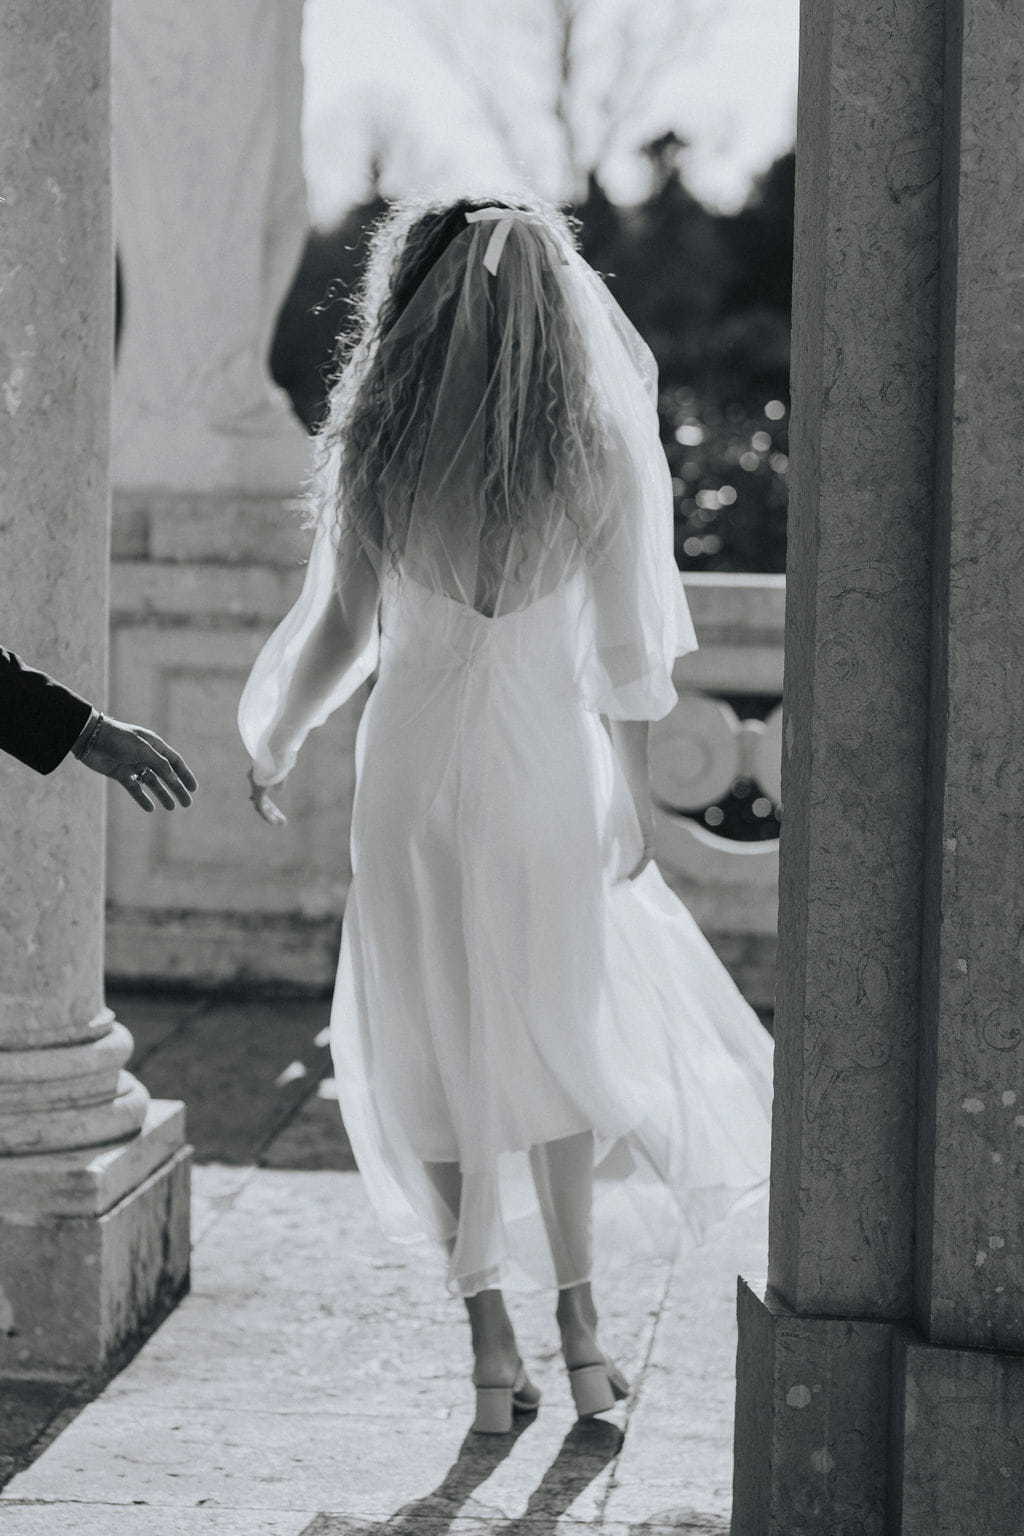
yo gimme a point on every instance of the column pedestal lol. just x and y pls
(860, 1426)
(958, 1439)
(812, 1416)
(95, 1247)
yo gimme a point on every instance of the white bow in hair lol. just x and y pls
(505, 217)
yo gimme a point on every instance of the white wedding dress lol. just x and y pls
(506, 999)
(501, 984)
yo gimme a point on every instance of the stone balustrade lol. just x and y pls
(218, 896)
(701, 749)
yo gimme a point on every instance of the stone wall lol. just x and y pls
(218, 896)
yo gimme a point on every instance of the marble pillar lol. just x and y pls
(880, 1379)
(93, 1176)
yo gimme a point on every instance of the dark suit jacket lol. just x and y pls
(40, 720)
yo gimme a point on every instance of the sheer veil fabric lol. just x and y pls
(501, 986)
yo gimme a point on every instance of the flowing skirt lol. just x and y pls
(506, 1000)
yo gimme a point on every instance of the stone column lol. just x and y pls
(896, 1223)
(959, 1376)
(93, 1177)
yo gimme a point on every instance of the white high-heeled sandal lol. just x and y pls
(596, 1388)
(496, 1405)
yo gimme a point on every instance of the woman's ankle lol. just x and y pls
(490, 1325)
(575, 1307)
(577, 1323)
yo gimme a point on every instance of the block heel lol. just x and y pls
(493, 1411)
(592, 1390)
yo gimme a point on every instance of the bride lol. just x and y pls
(542, 1064)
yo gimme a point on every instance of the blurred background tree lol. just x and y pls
(709, 291)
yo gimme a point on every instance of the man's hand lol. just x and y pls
(140, 760)
(259, 794)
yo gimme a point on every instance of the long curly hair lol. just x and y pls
(380, 404)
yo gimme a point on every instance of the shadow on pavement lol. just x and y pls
(33, 1413)
(247, 1065)
(586, 1450)
(681, 1522)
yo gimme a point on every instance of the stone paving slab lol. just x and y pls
(678, 1453)
(669, 1522)
(318, 1369)
(316, 1383)
(29, 1408)
(273, 1359)
(144, 1520)
(319, 1366)
(74, 1519)
(315, 1137)
(327, 1259)
(215, 1188)
(366, 1469)
(417, 1524)
(314, 1231)
(297, 1297)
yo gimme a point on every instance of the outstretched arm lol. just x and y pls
(40, 719)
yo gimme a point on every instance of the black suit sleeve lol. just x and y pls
(40, 720)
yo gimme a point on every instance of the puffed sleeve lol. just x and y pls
(301, 676)
(635, 617)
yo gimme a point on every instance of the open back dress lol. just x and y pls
(502, 985)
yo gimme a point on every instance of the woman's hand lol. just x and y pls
(644, 807)
(646, 857)
(259, 794)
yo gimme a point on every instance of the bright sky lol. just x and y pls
(455, 95)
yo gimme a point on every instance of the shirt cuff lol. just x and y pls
(82, 739)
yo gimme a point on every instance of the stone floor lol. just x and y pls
(316, 1380)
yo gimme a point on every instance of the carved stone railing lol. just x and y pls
(703, 748)
(217, 896)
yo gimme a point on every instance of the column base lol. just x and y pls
(94, 1249)
(812, 1421)
(959, 1433)
(848, 1426)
